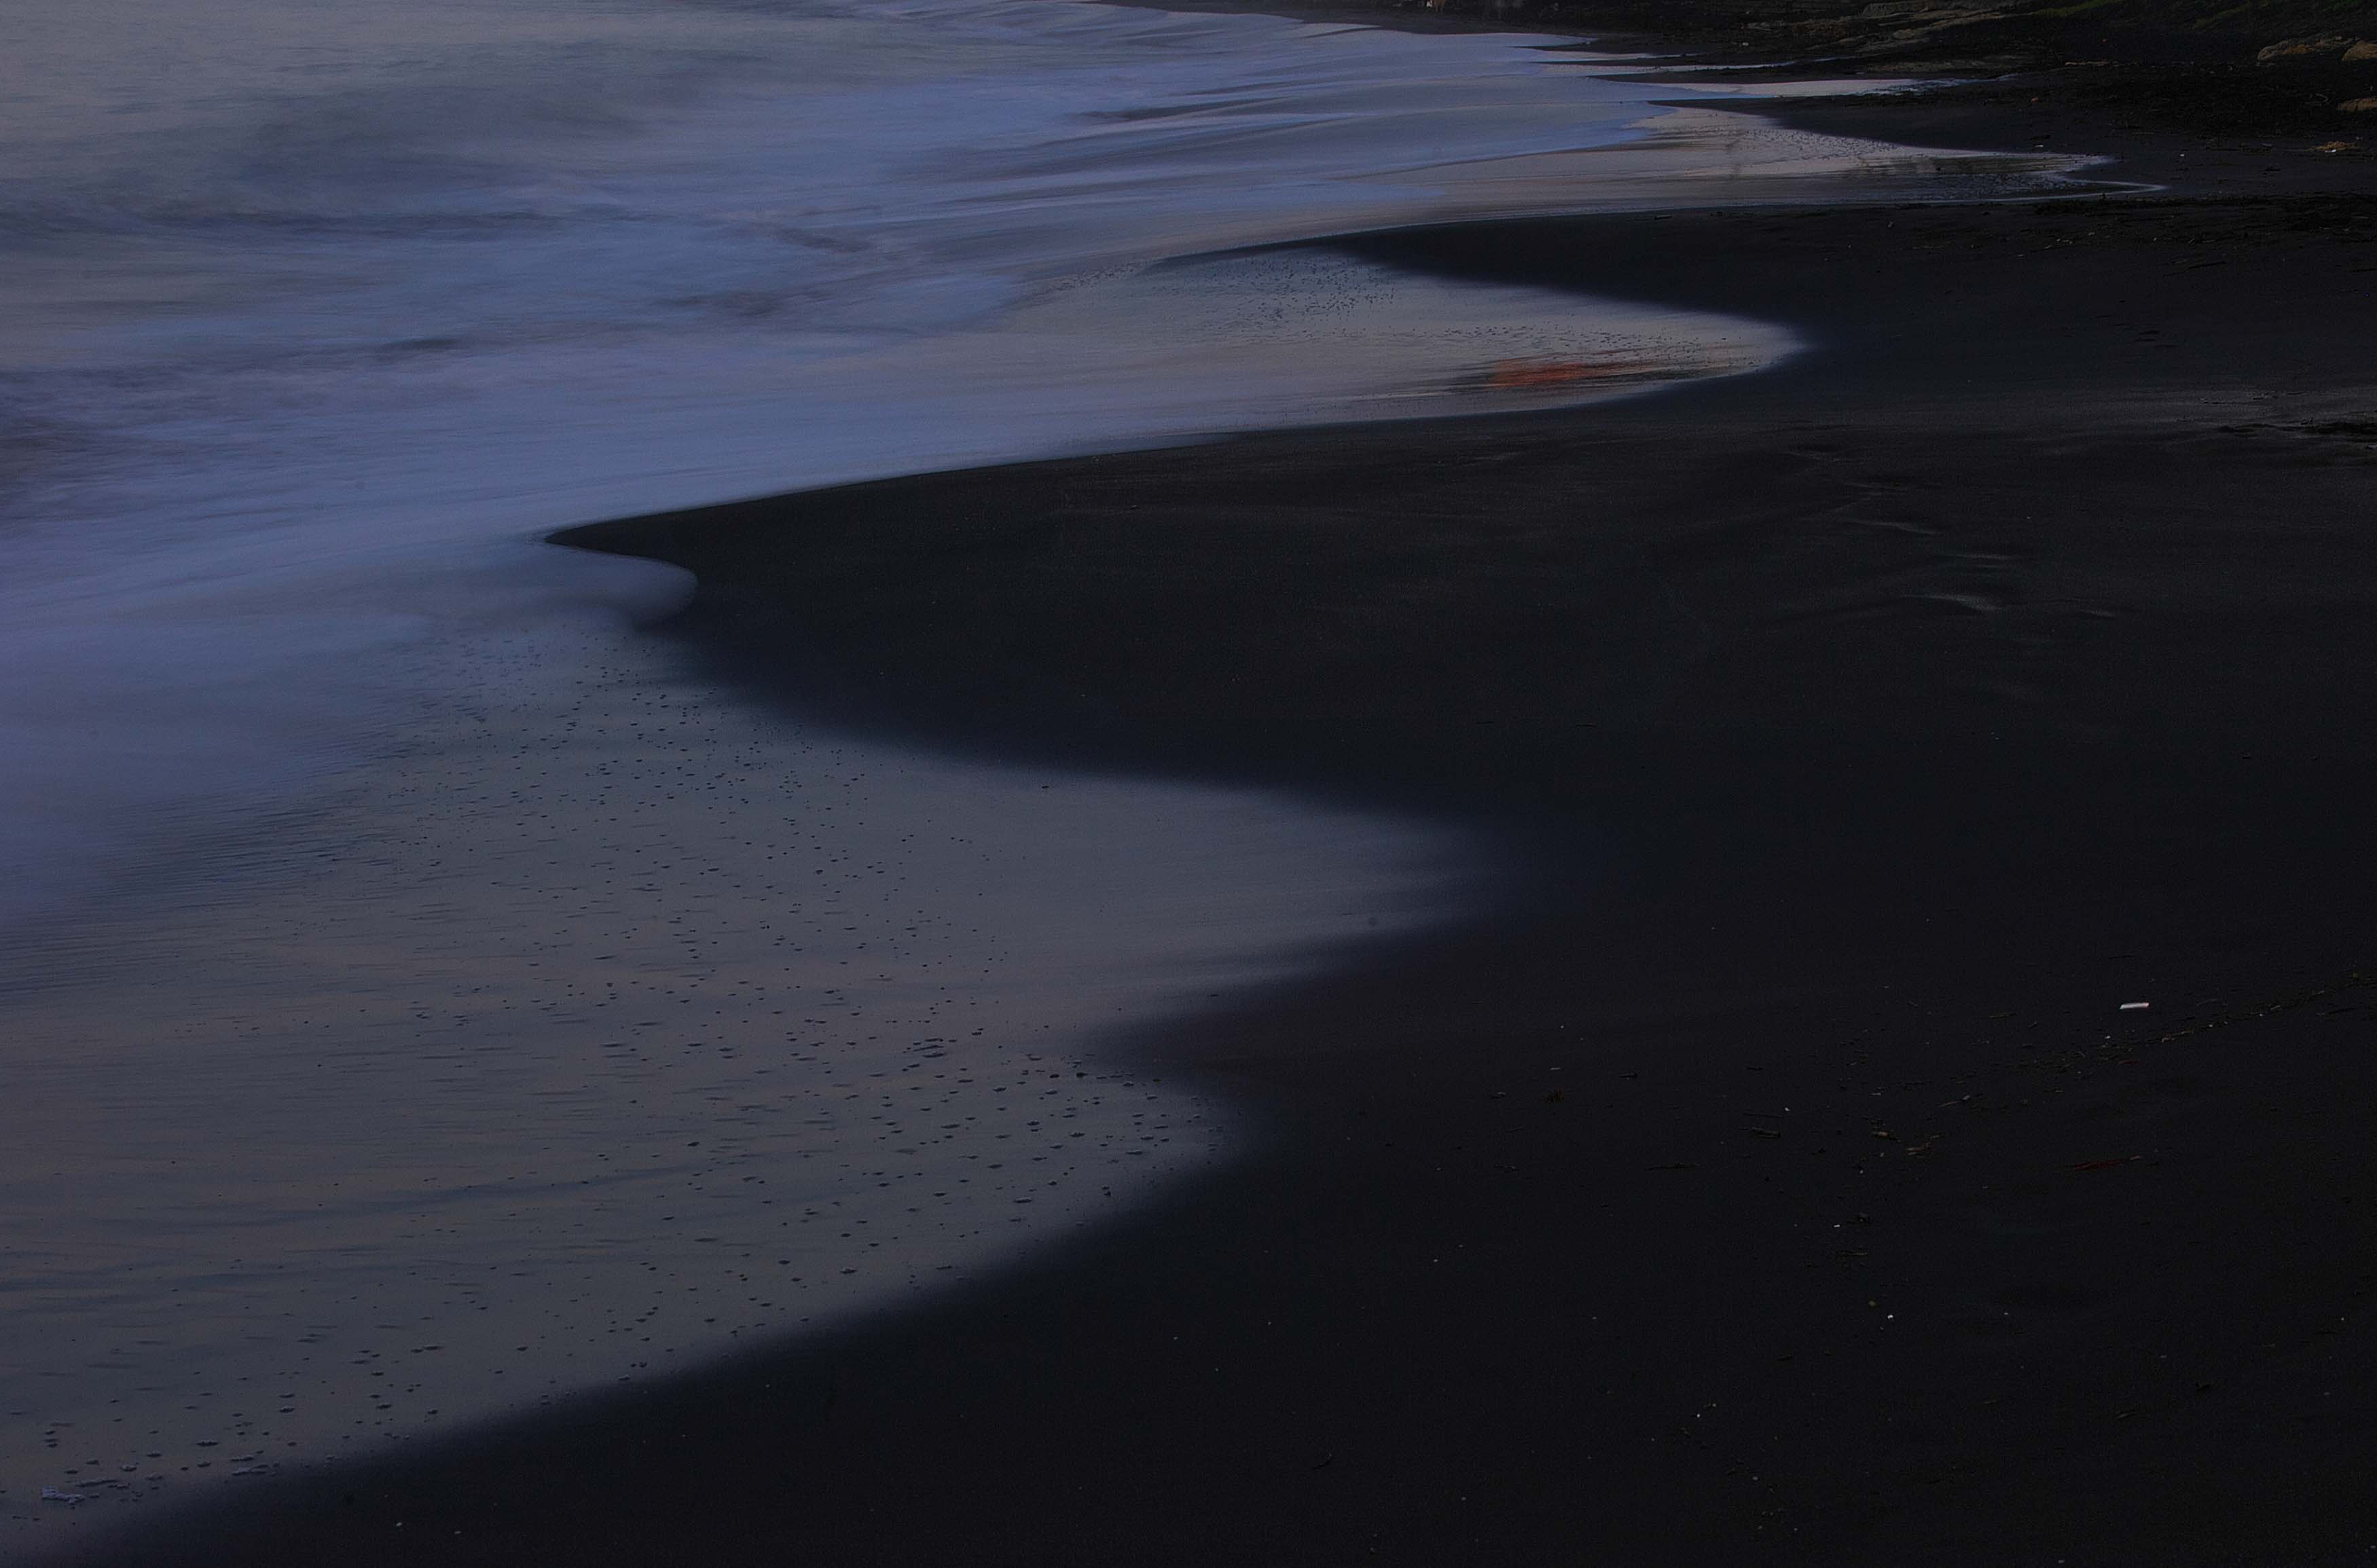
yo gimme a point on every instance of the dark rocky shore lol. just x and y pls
(1785, 1178)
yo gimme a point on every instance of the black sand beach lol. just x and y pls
(1784, 1177)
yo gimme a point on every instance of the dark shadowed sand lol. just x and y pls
(1784, 1178)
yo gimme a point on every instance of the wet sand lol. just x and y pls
(1784, 1174)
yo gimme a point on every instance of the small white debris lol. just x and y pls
(2134, 1006)
(52, 1495)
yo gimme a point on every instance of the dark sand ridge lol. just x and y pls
(1785, 1181)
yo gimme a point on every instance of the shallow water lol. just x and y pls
(300, 296)
(604, 1025)
(420, 998)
